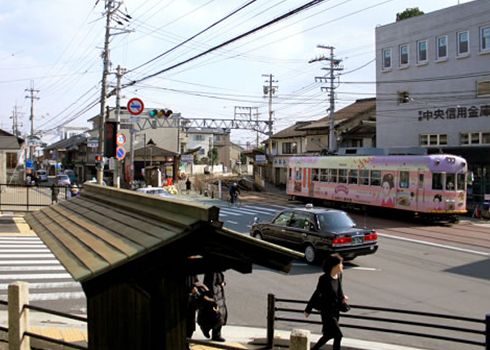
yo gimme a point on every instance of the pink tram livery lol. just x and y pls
(430, 186)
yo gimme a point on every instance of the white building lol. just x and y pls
(433, 86)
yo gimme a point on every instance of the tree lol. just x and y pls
(409, 12)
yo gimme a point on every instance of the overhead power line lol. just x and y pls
(276, 20)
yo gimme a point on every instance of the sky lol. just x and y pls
(54, 47)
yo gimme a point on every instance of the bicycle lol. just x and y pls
(237, 202)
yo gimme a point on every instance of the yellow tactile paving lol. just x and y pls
(51, 332)
(23, 227)
(73, 335)
(14, 226)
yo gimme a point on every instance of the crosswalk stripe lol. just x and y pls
(24, 250)
(51, 296)
(35, 276)
(262, 208)
(229, 212)
(48, 285)
(29, 262)
(31, 268)
(22, 256)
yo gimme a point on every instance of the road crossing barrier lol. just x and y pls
(434, 326)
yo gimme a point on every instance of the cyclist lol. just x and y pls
(234, 192)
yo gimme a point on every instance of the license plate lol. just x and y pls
(357, 240)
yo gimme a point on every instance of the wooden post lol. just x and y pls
(300, 340)
(18, 294)
(487, 332)
(271, 311)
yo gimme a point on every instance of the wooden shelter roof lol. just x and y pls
(106, 228)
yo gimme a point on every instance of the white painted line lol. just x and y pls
(232, 222)
(10, 256)
(32, 268)
(361, 268)
(24, 250)
(279, 206)
(4, 286)
(262, 208)
(33, 245)
(253, 212)
(29, 262)
(44, 276)
(19, 238)
(52, 296)
(434, 244)
(229, 213)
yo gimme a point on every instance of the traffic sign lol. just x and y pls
(120, 139)
(135, 106)
(120, 153)
(29, 164)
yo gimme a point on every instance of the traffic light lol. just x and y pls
(99, 158)
(110, 139)
(160, 113)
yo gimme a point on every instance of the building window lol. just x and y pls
(475, 138)
(485, 39)
(441, 51)
(463, 43)
(202, 151)
(422, 51)
(386, 58)
(403, 55)
(289, 148)
(433, 140)
(11, 160)
(198, 137)
(217, 138)
(483, 88)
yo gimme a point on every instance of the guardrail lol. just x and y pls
(431, 321)
(30, 197)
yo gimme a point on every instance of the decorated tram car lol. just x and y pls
(429, 186)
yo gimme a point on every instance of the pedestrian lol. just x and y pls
(198, 298)
(74, 191)
(188, 185)
(328, 298)
(54, 193)
(213, 316)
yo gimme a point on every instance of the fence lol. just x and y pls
(20, 338)
(27, 198)
(393, 318)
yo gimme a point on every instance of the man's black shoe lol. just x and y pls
(205, 332)
(220, 339)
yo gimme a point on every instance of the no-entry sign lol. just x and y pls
(135, 106)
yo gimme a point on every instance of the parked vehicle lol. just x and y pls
(94, 181)
(62, 180)
(42, 175)
(317, 231)
(72, 175)
(158, 191)
(428, 186)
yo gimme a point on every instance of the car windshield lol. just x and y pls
(62, 177)
(335, 221)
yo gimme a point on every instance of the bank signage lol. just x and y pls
(454, 113)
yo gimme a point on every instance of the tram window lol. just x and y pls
(290, 173)
(437, 181)
(342, 176)
(421, 181)
(375, 178)
(404, 179)
(333, 175)
(364, 177)
(298, 173)
(450, 182)
(324, 175)
(314, 175)
(461, 182)
(353, 177)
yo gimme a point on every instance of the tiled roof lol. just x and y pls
(292, 131)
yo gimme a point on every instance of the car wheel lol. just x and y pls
(310, 253)
(258, 235)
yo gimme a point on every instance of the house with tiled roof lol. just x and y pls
(355, 127)
(10, 146)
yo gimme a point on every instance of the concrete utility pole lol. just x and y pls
(32, 98)
(15, 121)
(334, 66)
(270, 90)
(119, 74)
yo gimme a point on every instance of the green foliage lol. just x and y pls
(408, 13)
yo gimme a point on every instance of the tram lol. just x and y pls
(429, 186)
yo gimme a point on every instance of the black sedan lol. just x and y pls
(317, 231)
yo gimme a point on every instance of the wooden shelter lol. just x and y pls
(133, 252)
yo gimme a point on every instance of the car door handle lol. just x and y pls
(283, 230)
(304, 235)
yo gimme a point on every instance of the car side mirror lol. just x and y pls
(256, 220)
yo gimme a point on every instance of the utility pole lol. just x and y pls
(334, 66)
(31, 118)
(15, 121)
(270, 90)
(119, 74)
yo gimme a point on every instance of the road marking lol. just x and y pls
(254, 212)
(4, 286)
(229, 212)
(32, 268)
(29, 262)
(14, 245)
(361, 268)
(261, 209)
(434, 244)
(51, 296)
(232, 222)
(279, 206)
(25, 250)
(10, 256)
(34, 276)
